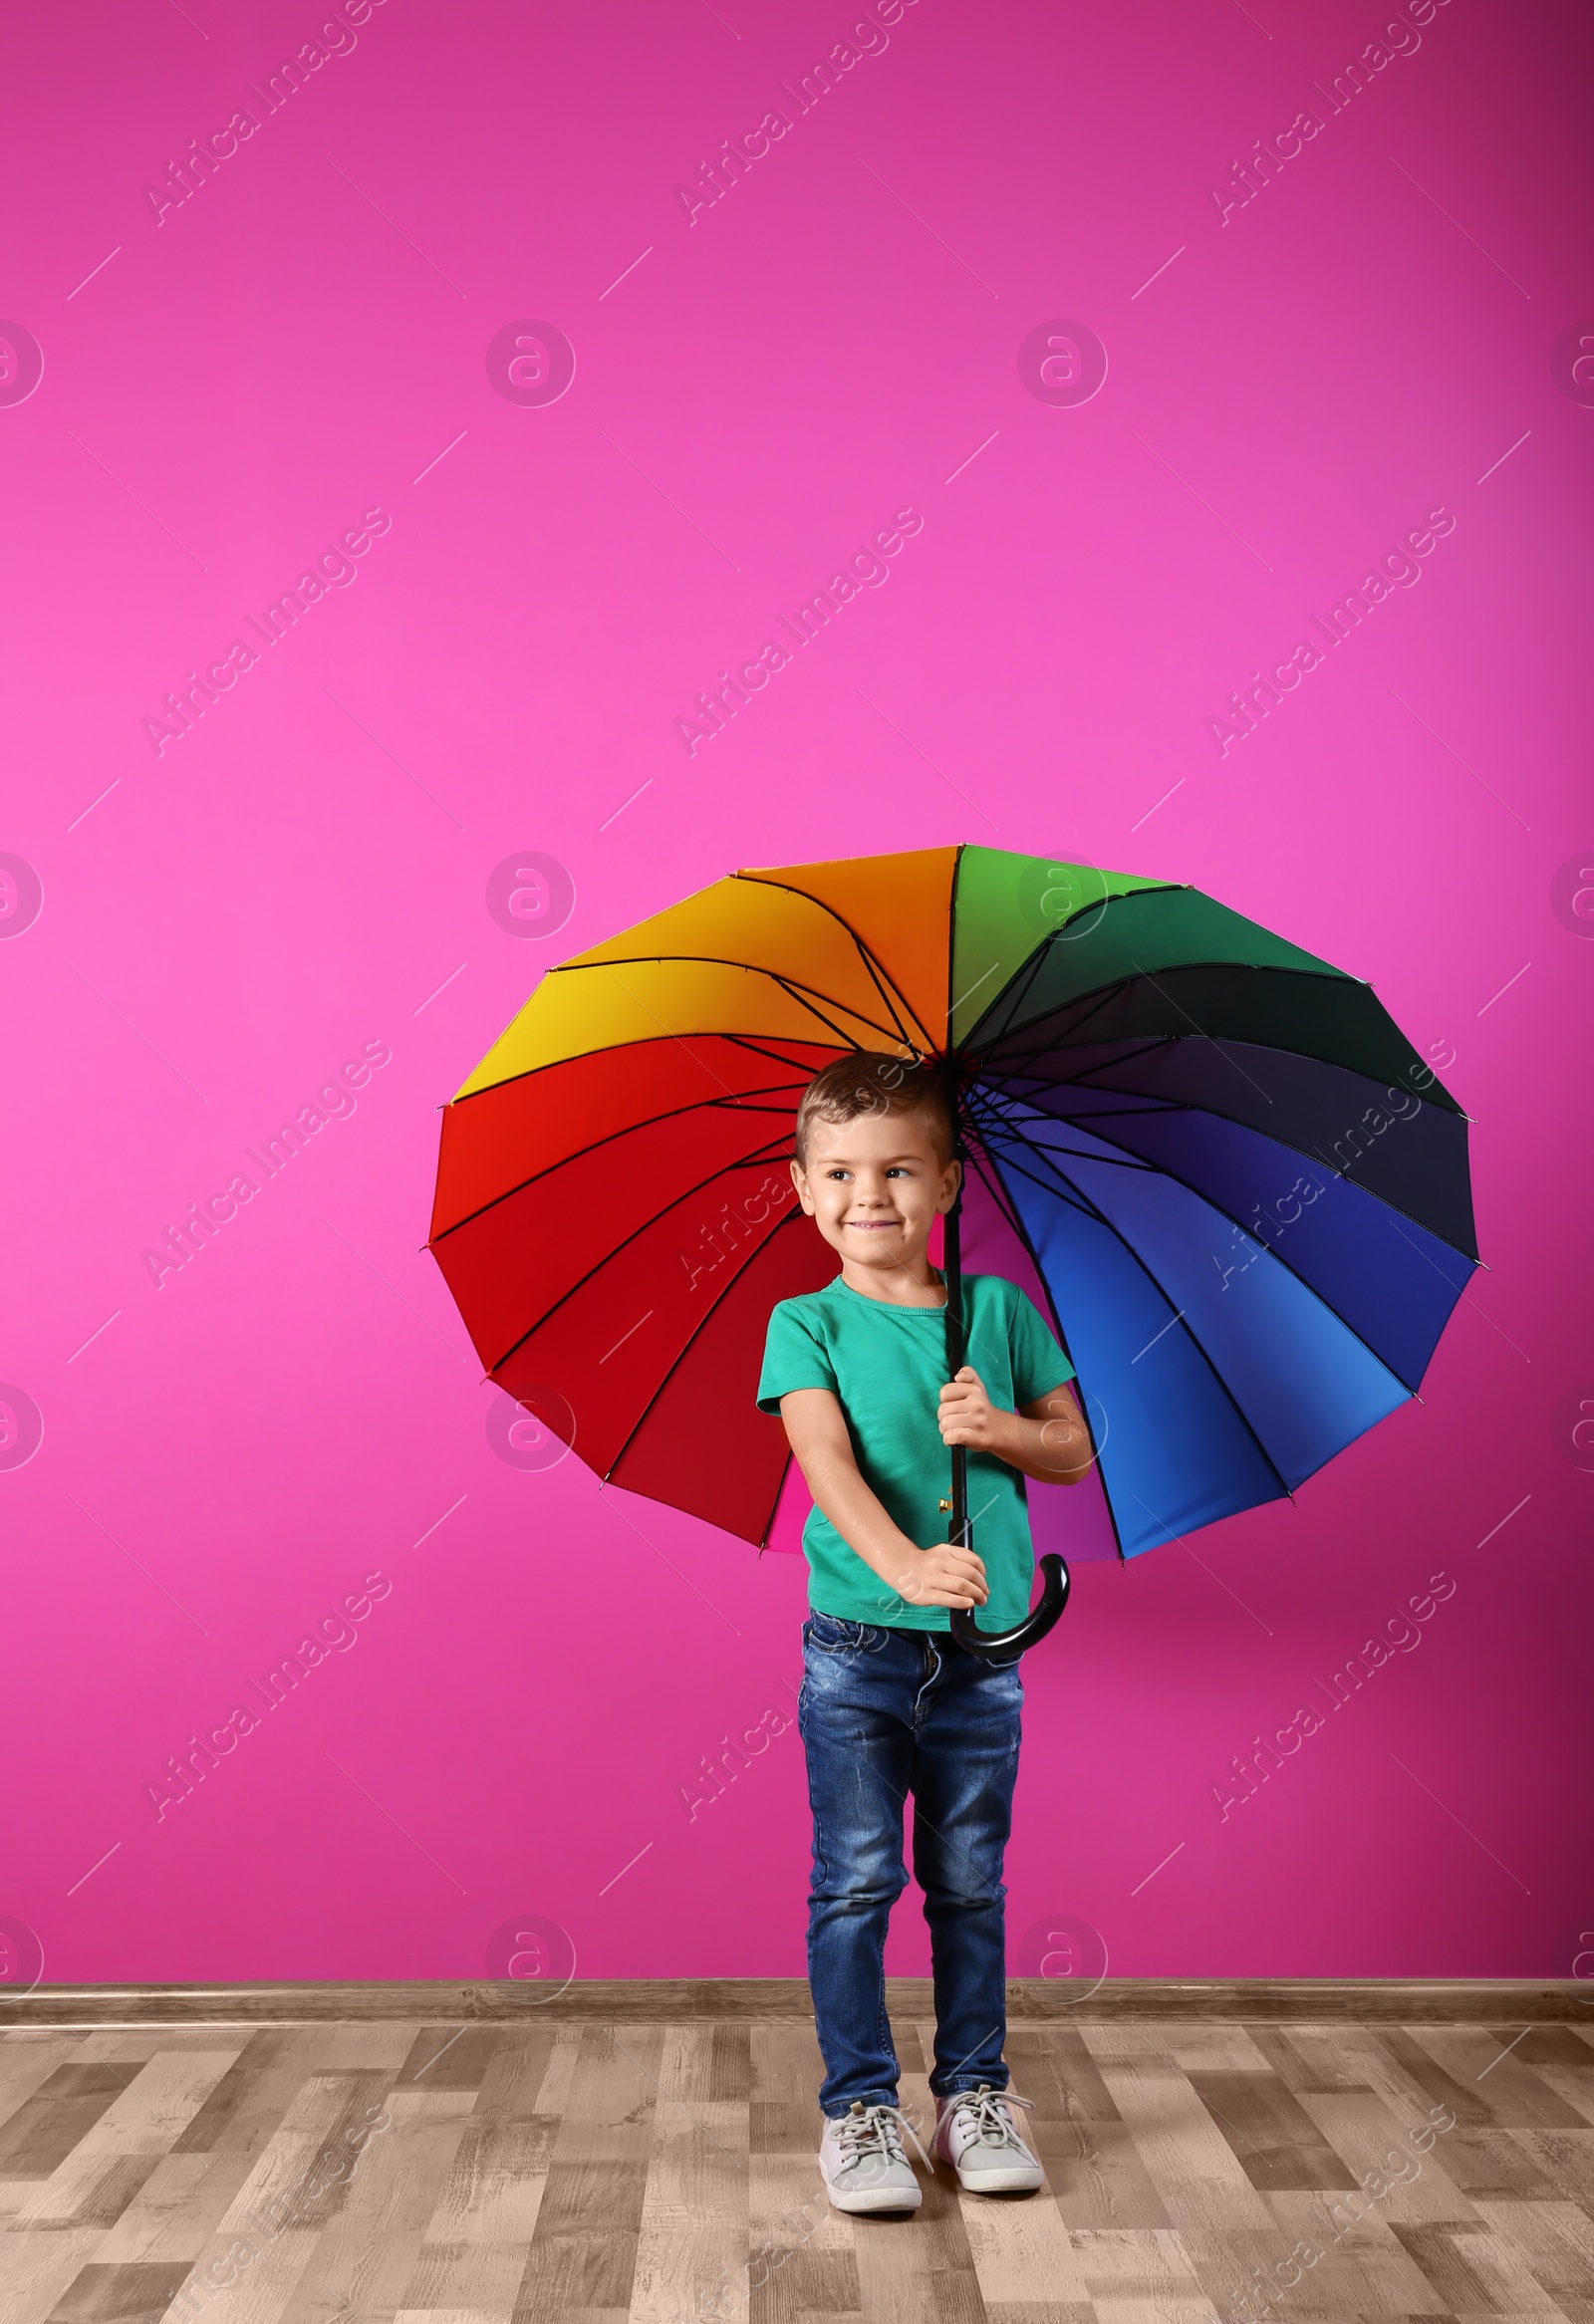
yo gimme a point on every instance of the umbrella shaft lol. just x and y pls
(957, 1529)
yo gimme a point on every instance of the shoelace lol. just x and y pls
(874, 2130)
(986, 2116)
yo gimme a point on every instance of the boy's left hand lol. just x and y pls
(967, 1415)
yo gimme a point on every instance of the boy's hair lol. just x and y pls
(869, 1082)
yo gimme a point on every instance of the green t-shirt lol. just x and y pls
(887, 1366)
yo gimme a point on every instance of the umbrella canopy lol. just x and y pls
(1212, 1158)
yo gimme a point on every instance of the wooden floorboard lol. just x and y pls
(744, 2000)
(428, 2170)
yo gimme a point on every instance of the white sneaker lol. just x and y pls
(864, 2164)
(975, 2133)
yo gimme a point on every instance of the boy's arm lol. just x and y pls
(816, 1429)
(1047, 1439)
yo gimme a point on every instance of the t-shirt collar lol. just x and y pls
(889, 1306)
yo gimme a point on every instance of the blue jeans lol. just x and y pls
(883, 1712)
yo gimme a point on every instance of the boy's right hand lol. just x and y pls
(944, 1575)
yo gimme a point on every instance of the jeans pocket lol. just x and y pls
(837, 1634)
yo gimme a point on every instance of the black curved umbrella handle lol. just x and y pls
(1029, 1633)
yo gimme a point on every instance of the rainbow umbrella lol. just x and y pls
(1212, 1158)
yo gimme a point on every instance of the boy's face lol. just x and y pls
(872, 1185)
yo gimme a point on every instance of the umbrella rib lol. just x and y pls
(1213, 961)
(745, 1162)
(1319, 975)
(1123, 1160)
(788, 985)
(1118, 1161)
(1058, 1186)
(1271, 1251)
(686, 1039)
(1473, 1267)
(553, 1064)
(1221, 1042)
(1088, 1208)
(1017, 985)
(1201, 1029)
(876, 969)
(1099, 996)
(1153, 1108)
(999, 1196)
(1308, 1153)
(1396, 1209)
(799, 994)
(1098, 1000)
(1136, 1047)
(890, 998)
(759, 1049)
(1030, 1086)
(683, 1038)
(697, 1328)
(733, 1104)
(1396, 1212)
(647, 1039)
(1030, 966)
(1023, 977)
(785, 1472)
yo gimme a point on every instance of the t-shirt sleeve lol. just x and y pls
(1039, 1365)
(794, 1357)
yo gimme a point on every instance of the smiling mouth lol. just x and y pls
(875, 1225)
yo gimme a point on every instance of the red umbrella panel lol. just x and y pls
(602, 1220)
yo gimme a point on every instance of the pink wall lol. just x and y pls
(229, 383)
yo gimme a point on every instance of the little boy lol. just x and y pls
(890, 1703)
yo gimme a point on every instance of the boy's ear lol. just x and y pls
(949, 1186)
(799, 1179)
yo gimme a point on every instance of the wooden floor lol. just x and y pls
(600, 2173)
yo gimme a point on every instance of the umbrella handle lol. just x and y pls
(1029, 1633)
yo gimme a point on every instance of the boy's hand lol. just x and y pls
(967, 1415)
(944, 1575)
